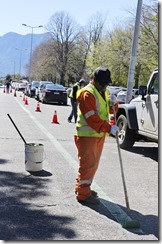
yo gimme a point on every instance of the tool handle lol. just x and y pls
(17, 128)
(121, 163)
(122, 173)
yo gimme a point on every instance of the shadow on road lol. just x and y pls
(149, 152)
(42, 173)
(21, 220)
(3, 161)
(148, 223)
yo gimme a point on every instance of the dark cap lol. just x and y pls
(103, 76)
(82, 81)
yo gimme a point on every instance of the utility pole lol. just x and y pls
(133, 53)
(20, 50)
(31, 47)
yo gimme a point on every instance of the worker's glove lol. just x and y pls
(114, 129)
(113, 99)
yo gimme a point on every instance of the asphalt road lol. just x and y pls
(42, 205)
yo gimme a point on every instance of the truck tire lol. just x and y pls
(126, 136)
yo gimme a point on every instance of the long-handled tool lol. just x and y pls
(17, 128)
(127, 223)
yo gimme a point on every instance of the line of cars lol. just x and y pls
(19, 86)
(47, 92)
(1, 85)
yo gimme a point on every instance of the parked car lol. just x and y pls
(14, 84)
(68, 90)
(31, 88)
(121, 96)
(37, 90)
(21, 86)
(138, 120)
(53, 93)
(114, 89)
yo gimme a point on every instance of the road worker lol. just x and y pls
(76, 87)
(92, 126)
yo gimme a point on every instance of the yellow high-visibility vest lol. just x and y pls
(82, 128)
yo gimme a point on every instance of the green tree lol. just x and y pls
(72, 52)
(8, 77)
(148, 42)
(118, 44)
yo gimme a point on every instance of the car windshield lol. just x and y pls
(45, 82)
(35, 84)
(22, 84)
(55, 87)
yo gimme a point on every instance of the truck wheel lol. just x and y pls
(126, 136)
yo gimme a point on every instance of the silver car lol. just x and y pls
(37, 90)
(121, 96)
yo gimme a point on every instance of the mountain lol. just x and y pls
(15, 51)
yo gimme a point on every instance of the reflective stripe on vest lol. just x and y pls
(82, 128)
(90, 113)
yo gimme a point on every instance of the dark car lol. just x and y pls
(53, 93)
(39, 87)
(32, 88)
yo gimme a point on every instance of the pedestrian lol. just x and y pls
(8, 85)
(94, 105)
(76, 87)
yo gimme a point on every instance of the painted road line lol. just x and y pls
(112, 207)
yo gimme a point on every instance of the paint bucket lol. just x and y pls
(34, 153)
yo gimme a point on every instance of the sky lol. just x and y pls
(14, 13)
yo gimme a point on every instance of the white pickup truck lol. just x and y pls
(139, 119)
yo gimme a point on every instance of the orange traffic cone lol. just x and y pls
(112, 120)
(55, 120)
(15, 94)
(38, 108)
(26, 101)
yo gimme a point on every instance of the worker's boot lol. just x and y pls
(90, 200)
(93, 193)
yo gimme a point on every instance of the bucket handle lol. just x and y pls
(37, 162)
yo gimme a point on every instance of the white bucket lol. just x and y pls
(34, 156)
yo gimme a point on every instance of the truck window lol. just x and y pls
(153, 87)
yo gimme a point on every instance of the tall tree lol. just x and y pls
(148, 40)
(73, 52)
(118, 43)
(94, 31)
(44, 62)
(63, 30)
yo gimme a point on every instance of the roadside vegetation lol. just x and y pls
(72, 51)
